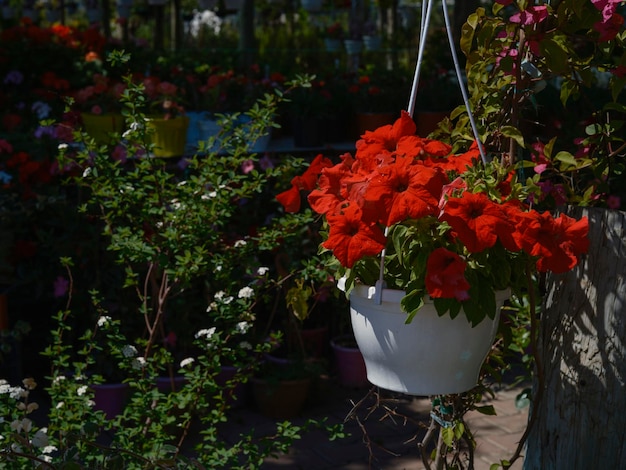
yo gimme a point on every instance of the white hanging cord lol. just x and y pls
(425, 22)
(459, 77)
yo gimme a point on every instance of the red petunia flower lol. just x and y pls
(477, 221)
(290, 199)
(331, 186)
(350, 238)
(383, 141)
(445, 276)
(556, 242)
(404, 190)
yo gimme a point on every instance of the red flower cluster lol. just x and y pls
(397, 177)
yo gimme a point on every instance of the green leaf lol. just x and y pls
(556, 54)
(566, 158)
(447, 435)
(513, 133)
(488, 410)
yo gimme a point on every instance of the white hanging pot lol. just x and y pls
(432, 355)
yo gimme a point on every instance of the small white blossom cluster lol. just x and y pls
(240, 243)
(262, 271)
(242, 327)
(223, 298)
(129, 350)
(134, 126)
(139, 363)
(104, 321)
(246, 293)
(206, 333)
(186, 362)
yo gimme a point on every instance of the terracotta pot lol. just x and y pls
(282, 399)
(427, 121)
(372, 121)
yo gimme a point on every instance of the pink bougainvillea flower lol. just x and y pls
(613, 202)
(445, 275)
(532, 15)
(609, 28)
(350, 238)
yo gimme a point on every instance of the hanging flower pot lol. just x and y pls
(432, 355)
(170, 136)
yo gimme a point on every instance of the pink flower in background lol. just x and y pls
(613, 202)
(61, 286)
(532, 15)
(247, 166)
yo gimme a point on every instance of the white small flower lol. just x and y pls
(103, 321)
(262, 271)
(58, 379)
(60, 405)
(63, 146)
(240, 243)
(187, 361)
(218, 268)
(245, 345)
(207, 332)
(87, 172)
(81, 390)
(219, 295)
(245, 292)
(49, 449)
(17, 392)
(209, 195)
(211, 306)
(242, 327)
(46, 458)
(40, 439)
(129, 350)
(139, 363)
(4, 388)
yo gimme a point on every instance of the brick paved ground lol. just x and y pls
(393, 445)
